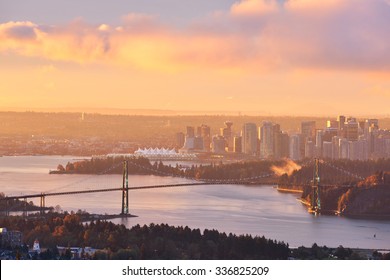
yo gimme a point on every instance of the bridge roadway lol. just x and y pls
(118, 189)
(151, 187)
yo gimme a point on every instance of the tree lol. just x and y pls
(60, 168)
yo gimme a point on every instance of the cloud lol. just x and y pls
(322, 34)
(20, 30)
(254, 7)
(310, 5)
(104, 27)
(252, 36)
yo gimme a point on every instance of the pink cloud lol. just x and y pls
(254, 7)
(253, 35)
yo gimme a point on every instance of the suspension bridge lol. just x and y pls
(314, 184)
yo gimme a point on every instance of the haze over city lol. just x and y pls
(268, 57)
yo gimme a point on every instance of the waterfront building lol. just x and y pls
(218, 144)
(189, 140)
(189, 143)
(180, 138)
(198, 143)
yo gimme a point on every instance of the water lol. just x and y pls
(256, 210)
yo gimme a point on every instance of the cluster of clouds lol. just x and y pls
(251, 34)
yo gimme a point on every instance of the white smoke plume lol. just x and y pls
(288, 168)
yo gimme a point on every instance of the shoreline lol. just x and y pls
(95, 217)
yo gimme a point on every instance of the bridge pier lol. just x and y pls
(125, 189)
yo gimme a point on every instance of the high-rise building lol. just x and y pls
(266, 135)
(328, 134)
(309, 149)
(343, 148)
(277, 145)
(387, 148)
(341, 120)
(227, 130)
(353, 150)
(198, 143)
(351, 129)
(372, 123)
(285, 145)
(190, 131)
(327, 150)
(332, 124)
(237, 147)
(271, 145)
(189, 140)
(218, 144)
(295, 153)
(204, 132)
(249, 139)
(308, 129)
(363, 149)
(336, 147)
(318, 143)
(227, 133)
(180, 140)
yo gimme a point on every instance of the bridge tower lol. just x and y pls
(125, 189)
(315, 189)
(25, 207)
(7, 208)
(42, 204)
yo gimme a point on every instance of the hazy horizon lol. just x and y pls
(161, 112)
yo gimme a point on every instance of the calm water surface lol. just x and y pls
(256, 210)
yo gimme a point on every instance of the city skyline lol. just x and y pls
(342, 138)
(263, 57)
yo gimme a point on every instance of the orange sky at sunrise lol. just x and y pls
(295, 57)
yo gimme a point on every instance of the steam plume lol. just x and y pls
(289, 167)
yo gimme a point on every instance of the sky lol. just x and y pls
(269, 57)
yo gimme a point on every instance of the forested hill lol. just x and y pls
(337, 171)
(141, 165)
(371, 197)
(142, 242)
